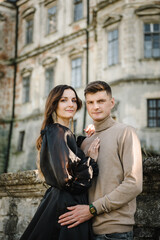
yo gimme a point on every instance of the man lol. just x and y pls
(112, 196)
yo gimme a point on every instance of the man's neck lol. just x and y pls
(104, 124)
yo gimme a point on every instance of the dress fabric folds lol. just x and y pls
(69, 173)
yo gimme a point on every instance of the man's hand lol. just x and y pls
(77, 214)
(90, 130)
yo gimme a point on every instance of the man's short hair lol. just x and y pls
(98, 86)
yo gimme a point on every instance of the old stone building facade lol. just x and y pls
(48, 42)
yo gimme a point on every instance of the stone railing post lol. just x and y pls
(20, 195)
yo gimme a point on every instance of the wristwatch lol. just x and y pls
(93, 210)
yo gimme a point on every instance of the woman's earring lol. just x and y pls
(72, 125)
(54, 117)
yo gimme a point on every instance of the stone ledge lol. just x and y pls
(151, 176)
(27, 183)
(24, 177)
(151, 165)
(21, 184)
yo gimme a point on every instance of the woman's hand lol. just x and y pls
(93, 149)
(89, 130)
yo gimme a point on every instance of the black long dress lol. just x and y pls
(69, 173)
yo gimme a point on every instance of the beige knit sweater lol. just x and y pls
(119, 181)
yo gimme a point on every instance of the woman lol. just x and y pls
(65, 168)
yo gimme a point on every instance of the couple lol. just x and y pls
(64, 212)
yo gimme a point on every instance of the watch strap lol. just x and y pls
(93, 210)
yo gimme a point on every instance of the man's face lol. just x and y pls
(99, 105)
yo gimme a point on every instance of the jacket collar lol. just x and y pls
(104, 124)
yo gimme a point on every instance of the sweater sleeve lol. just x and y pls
(131, 186)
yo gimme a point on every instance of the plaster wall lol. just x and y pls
(131, 63)
(131, 99)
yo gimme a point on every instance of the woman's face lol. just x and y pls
(67, 105)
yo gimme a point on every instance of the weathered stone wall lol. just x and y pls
(20, 195)
(7, 48)
(148, 202)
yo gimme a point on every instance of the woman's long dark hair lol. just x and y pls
(51, 107)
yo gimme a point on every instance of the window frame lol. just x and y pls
(144, 18)
(76, 69)
(157, 108)
(114, 62)
(151, 34)
(46, 91)
(26, 94)
(27, 19)
(47, 19)
(75, 4)
(20, 141)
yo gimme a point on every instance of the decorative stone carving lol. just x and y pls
(26, 71)
(49, 61)
(148, 10)
(75, 51)
(28, 12)
(46, 2)
(111, 20)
